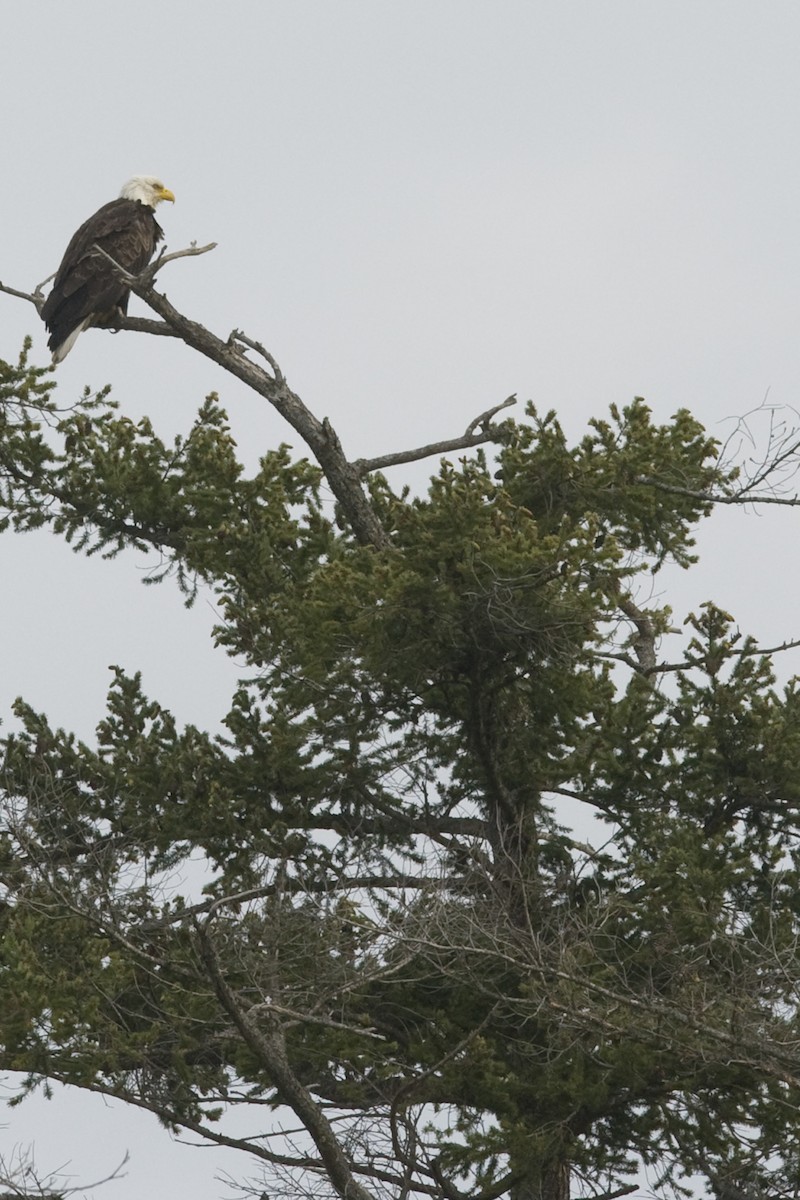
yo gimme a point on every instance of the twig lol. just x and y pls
(35, 297)
(31, 1186)
(716, 497)
(149, 273)
(189, 252)
(750, 651)
(115, 1174)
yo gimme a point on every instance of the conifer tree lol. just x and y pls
(403, 956)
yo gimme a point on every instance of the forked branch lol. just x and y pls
(479, 431)
(344, 477)
(36, 297)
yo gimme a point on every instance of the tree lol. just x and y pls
(429, 984)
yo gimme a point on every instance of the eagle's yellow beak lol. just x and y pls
(166, 194)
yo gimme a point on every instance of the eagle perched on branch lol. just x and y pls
(87, 290)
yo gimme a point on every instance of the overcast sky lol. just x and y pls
(421, 207)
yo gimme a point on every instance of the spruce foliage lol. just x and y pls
(400, 944)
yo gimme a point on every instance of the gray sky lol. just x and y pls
(420, 208)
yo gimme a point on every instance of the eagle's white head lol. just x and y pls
(147, 188)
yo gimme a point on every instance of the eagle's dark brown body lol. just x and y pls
(86, 290)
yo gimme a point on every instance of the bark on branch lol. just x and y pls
(36, 297)
(266, 1042)
(344, 477)
(319, 436)
(478, 431)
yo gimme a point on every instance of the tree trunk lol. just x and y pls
(551, 1184)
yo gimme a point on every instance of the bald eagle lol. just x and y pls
(86, 290)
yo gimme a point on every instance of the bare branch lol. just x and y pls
(250, 1146)
(365, 465)
(35, 297)
(236, 335)
(170, 1118)
(319, 436)
(151, 270)
(716, 497)
(163, 258)
(751, 650)
(142, 325)
(269, 1047)
(484, 418)
(488, 433)
(115, 1174)
(19, 1175)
